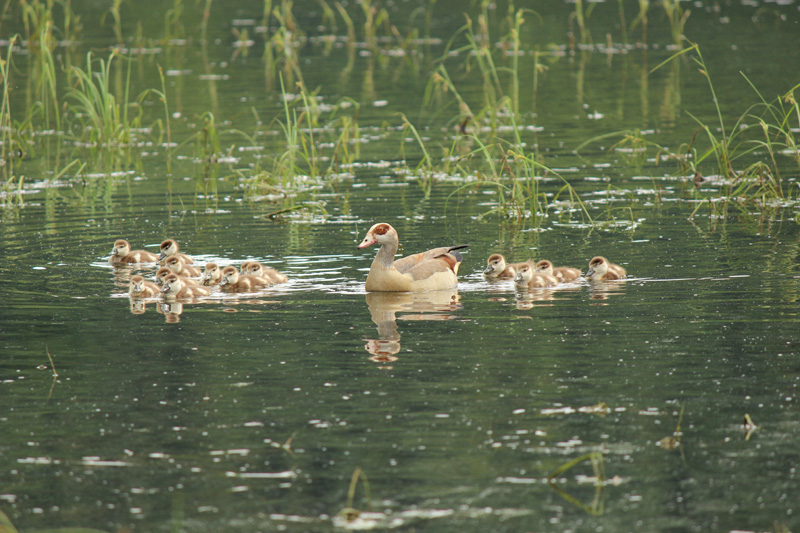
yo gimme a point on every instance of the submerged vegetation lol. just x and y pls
(69, 117)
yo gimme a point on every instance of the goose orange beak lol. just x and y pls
(369, 240)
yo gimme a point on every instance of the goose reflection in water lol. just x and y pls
(384, 307)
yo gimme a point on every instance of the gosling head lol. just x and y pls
(524, 275)
(598, 266)
(255, 268)
(229, 276)
(545, 267)
(495, 265)
(172, 285)
(168, 248)
(121, 248)
(161, 275)
(137, 284)
(211, 273)
(174, 263)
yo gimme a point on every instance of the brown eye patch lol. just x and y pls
(381, 229)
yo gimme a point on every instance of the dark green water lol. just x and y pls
(252, 413)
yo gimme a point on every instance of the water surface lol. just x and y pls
(252, 412)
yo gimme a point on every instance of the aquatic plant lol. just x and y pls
(641, 19)
(677, 17)
(595, 459)
(579, 15)
(350, 513)
(7, 148)
(771, 130)
(282, 48)
(106, 121)
(116, 15)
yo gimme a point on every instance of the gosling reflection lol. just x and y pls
(603, 290)
(385, 306)
(171, 311)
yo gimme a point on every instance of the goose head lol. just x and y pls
(380, 233)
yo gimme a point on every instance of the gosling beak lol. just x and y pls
(489, 269)
(161, 256)
(590, 272)
(165, 287)
(518, 277)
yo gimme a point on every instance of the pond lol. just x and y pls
(316, 406)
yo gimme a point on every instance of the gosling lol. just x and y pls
(562, 274)
(601, 270)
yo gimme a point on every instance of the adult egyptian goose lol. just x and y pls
(427, 271)
(497, 268)
(174, 289)
(141, 288)
(527, 278)
(163, 272)
(235, 282)
(177, 265)
(269, 274)
(122, 253)
(562, 274)
(212, 274)
(601, 270)
(169, 248)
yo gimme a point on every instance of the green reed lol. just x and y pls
(283, 47)
(767, 127)
(107, 120)
(41, 42)
(305, 127)
(8, 150)
(676, 16)
(116, 16)
(374, 17)
(580, 15)
(173, 26)
(348, 21)
(204, 21)
(641, 19)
